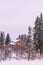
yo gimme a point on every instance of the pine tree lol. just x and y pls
(38, 32)
(29, 36)
(2, 38)
(28, 43)
(8, 40)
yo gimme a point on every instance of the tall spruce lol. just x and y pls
(29, 36)
(38, 32)
(8, 40)
(2, 38)
(28, 44)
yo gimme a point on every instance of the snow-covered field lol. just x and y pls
(22, 62)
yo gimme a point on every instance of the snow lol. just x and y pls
(12, 43)
(22, 62)
(16, 40)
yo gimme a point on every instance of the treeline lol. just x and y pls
(4, 40)
(37, 34)
(27, 39)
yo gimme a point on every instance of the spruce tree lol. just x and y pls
(29, 36)
(38, 32)
(2, 38)
(8, 40)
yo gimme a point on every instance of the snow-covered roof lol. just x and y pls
(17, 40)
(12, 43)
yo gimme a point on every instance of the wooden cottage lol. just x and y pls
(19, 43)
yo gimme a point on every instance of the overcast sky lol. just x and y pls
(17, 15)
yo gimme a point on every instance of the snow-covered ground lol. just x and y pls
(22, 62)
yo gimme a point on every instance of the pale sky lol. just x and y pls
(17, 15)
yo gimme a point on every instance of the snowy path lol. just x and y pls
(23, 62)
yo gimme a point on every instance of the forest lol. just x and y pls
(28, 46)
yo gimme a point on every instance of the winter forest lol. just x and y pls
(27, 47)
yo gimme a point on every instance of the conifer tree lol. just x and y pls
(2, 38)
(38, 32)
(8, 40)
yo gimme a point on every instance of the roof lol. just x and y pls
(12, 43)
